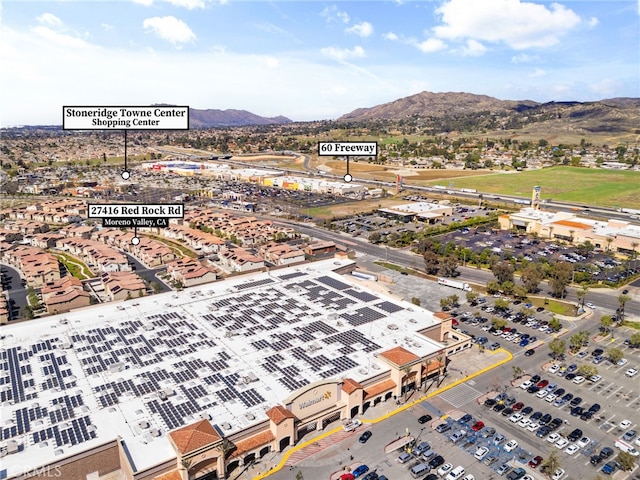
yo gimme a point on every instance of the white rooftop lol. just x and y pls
(226, 351)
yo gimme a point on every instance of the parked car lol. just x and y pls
(510, 446)
(535, 461)
(360, 470)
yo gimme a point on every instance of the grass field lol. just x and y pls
(606, 188)
(351, 208)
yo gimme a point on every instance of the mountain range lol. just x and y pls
(469, 112)
(229, 118)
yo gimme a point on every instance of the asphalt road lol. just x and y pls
(149, 274)
(605, 300)
(17, 293)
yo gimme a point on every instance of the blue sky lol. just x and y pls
(309, 60)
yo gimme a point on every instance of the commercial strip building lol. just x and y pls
(198, 383)
(423, 211)
(617, 235)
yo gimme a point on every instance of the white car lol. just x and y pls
(533, 426)
(578, 380)
(516, 417)
(558, 474)
(352, 425)
(551, 397)
(542, 394)
(469, 477)
(554, 368)
(571, 449)
(632, 372)
(444, 469)
(624, 424)
(583, 442)
(524, 423)
(595, 378)
(528, 383)
(561, 443)
(510, 446)
(622, 362)
(590, 305)
(481, 452)
(553, 438)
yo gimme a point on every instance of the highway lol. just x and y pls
(606, 300)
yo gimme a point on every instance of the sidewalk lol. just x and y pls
(464, 366)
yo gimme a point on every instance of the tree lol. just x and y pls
(581, 293)
(626, 460)
(527, 312)
(561, 274)
(493, 287)
(427, 363)
(507, 287)
(454, 299)
(531, 277)
(552, 463)
(622, 300)
(156, 287)
(448, 266)
(517, 372)
(634, 340)
(587, 371)
(557, 346)
(445, 303)
(405, 380)
(555, 324)
(375, 237)
(498, 323)
(605, 323)
(615, 354)
(520, 291)
(503, 271)
(575, 342)
(431, 262)
(415, 301)
(501, 304)
(472, 296)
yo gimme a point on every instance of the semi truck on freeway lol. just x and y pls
(454, 283)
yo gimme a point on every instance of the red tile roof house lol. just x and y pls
(64, 295)
(240, 260)
(281, 254)
(122, 285)
(189, 272)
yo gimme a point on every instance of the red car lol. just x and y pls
(477, 426)
(543, 383)
(518, 406)
(535, 461)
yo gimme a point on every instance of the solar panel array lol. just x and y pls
(181, 364)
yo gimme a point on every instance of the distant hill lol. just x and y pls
(468, 112)
(230, 118)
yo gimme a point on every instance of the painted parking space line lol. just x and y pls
(615, 391)
(637, 398)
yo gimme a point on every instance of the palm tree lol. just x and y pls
(405, 380)
(581, 294)
(441, 367)
(609, 240)
(427, 363)
(622, 300)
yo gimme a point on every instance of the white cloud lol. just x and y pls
(519, 24)
(49, 19)
(593, 21)
(271, 62)
(59, 38)
(525, 58)
(335, 91)
(107, 27)
(332, 13)
(474, 48)
(537, 72)
(269, 27)
(146, 3)
(430, 45)
(604, 88)
(170, 28)
(188, 4)
(342, 54)
(363, 29)
(390, 36)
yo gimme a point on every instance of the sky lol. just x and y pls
(308, 60)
